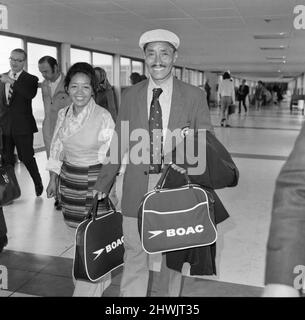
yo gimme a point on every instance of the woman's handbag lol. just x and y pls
(99, 245)
(9, 187)
(231, 109)
(178, 218)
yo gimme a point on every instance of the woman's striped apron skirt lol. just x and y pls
(75, 192)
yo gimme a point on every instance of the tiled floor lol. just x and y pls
(40, 250)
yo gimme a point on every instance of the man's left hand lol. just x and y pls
(6, 79)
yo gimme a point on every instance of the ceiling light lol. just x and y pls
(280, 35)
(282, 47)
(276, 58)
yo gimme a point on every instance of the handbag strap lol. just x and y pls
(165, 172)
(92, 213)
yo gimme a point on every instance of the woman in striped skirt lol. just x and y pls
(81, 139)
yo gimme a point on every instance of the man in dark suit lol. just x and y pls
(181, 105)
(243, 91)
(17, 89)
(285, 260)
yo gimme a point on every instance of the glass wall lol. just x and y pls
(35, 51)
(104, 61)
(201, 77)
(79, 55)
(185, 75)
(137, 66)
(7, 45)
(178, 72)
(125, 71)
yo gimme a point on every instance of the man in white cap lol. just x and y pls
(161, 102)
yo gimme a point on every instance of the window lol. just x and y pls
(178, 73)
(125, 71)
(186, 75)
(137, 66)
(104, 61)
(200, 75)
(35, 51)
(7, 45)
(193, 77)
(79, 55)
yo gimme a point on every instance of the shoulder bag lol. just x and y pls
(99, 245)
(176, 218)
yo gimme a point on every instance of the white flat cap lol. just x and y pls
(159, 35)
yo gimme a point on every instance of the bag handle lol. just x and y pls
(165, 172)
(92, 213)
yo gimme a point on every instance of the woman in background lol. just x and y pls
(226, 93)
(105, 96)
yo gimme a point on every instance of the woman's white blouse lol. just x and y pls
(81, 140)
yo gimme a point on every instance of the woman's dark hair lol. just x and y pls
(135, 77)
(85, 68)
(226, 75)
(102, 78)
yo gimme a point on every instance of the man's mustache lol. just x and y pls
(158, 65)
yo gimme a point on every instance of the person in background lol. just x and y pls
(81, 139)
(105, 96)
(226, 94)
(17, 90)
(285, 258)
(143, 77)
(259, 95)
(3, 228)
(160, 102)
(54, 98)
(243, 91)
(135, 77)
(207, 88)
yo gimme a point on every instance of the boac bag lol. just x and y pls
(178, 218)
(99, 247)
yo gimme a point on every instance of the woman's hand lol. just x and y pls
(52, 186)
(101, 195)
(177, 168)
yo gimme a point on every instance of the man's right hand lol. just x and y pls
(101, 195)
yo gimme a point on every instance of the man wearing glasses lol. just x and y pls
(17, 89)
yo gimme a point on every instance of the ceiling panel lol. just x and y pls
(213, 13)
(204, 4)
(251, 8)
(215, 34)
(96, 8)
(222, 23)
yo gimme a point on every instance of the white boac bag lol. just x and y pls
(178, 218)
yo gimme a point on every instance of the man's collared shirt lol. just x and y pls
(53, 85)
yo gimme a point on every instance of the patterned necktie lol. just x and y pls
(155, 132)
(10, 90)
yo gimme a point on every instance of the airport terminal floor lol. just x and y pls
(39, 254)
